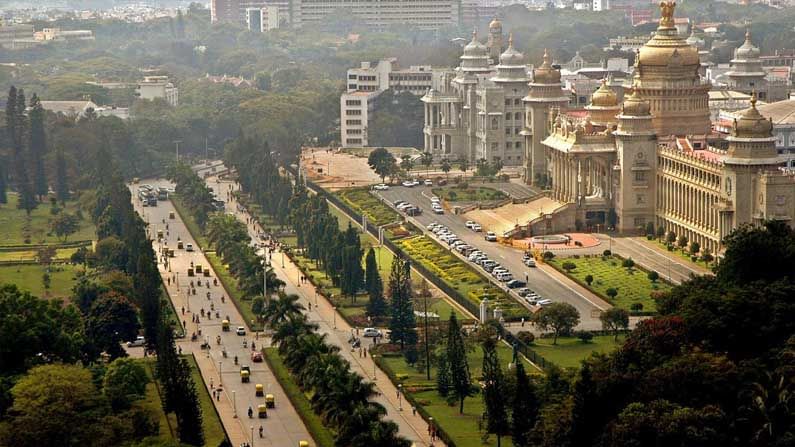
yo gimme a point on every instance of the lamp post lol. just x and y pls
(373, 356)
(400, 394)
(282, 250)
(234, 404)
(177, 281)
(220, 377)
(252, 435)
(335, 316)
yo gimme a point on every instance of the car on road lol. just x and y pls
(490, 236)
(438, 210)
(256, 356)
(139, 341)
(515, 284)
(477, 228)
(410, 183)
(505, 276)
(398, 203)
(188, 247)
(381, 187)
(428, 182)
(413, 211)
(530, 262)
(371, 332)
(469, 224)
(240, 330)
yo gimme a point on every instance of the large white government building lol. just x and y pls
(652, 158)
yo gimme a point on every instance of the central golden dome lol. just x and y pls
(667, 47)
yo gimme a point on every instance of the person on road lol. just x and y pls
(250, 412)
(260, 432)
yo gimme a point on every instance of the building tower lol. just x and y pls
(511, 82)
(669, 76)
(604, 106)
(636, 154)
(752, 152)
(495, 42)
(747, 74)
(545, 93)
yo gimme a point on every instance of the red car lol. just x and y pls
(256, 356)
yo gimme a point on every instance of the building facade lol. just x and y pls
(747, 74)
(153, 87)
(424, 14)
(367, 82)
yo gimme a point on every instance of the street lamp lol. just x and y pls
(220, 377)
(373, 356)
(400, 393)
(252, 435)
(234, 404)
(282, 249)
(177, 281)
(335, 316)
(265, 279)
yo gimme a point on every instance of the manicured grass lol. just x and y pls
(459, 275)
(323, 436)
(28, 278)
(462, 428)
(213, 429)
(189, 221)
(214, 432)
(15, 226)
(684, 255)
(470, 194)
(30, 255)
(368, 205)
(632, 284)
(570, 351)
(230, 284)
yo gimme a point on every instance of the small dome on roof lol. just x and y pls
(495, 24)
(635, 105)
(511, 57)
(546, 74)
(604, 96)
(752, 124)
(747, 50)
(475, 48)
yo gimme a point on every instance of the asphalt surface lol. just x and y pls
(547, 285)
(283, 426)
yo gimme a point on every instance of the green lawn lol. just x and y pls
(213, 429)
(570, 350)
(28, 277)
(460, 276)
(684, 255)
(470, 194)
(230, 284)
(323, 436)
(462, 428)
(368, 205)
(30, 255)
(632, 284)
(15, 227)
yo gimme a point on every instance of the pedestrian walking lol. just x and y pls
(183, 310)
(413, 411)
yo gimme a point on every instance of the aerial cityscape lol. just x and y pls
(462, 223)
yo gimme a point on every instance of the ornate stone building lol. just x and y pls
(747, 74)
(648, 160)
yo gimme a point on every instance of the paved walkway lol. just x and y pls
(411, 426)
(283, 427)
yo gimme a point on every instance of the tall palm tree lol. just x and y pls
(279, 310)
(358, 424)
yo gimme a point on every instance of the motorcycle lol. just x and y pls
(224, 352)
(235, 360)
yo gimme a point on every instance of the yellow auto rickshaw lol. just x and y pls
(259, 390)
(245, 374)
(180, 245)
(225, 325)
(270, 401)
(303, 443)
(262, 412)
(171, 253)
(190, 272)
(171, 215)
(198, 268)
(207, 273)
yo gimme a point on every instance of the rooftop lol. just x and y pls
(781, 112)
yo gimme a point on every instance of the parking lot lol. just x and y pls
(546, 284)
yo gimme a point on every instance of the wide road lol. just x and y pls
(547, 283)
(283, 427)
(411, 426)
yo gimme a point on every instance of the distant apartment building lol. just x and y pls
(424, 14)
(269, 14)
(367, 82)
(153, 87)
(264, 19)
(600, 5)
(622, 43)
(225, 11)
(15, 37)
(57, 34)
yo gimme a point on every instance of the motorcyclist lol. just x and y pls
(250, 412)
(235, 360)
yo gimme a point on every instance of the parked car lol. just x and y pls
(398, 203)
(515, 284)
(414, 211)
(371, 332)
(523, 292)
(469, 224)
(408, 184)
(381, 187)
(428, 182)
(432, 226)
(139, 341)
(505, 276)
(544, 302)
(491, 237)
(438, 210)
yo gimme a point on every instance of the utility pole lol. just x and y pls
(177, 145)
(427, 348)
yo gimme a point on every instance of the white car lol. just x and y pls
(530, 262)
(240, 330)
(544, 302)
(428, 182)
(435, 199)
(477, 228)
(408, 184)
(371, 332)
(469, 224)
(491, 237)
(403, 206)
(381, 187)
(431, 226)
(139, 341)
(438, 210)
(188, 247)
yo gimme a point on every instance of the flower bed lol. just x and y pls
(366, 204)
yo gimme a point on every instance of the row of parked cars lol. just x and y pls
(408, 208)
(436, 205)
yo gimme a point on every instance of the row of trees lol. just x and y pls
(339, 396)
(193, 192)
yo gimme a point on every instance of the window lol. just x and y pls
(640, 199)
(507, 102)
(495, 123)
(518, 145)
(640, 176)
(353, 122)
(640, 222)
(354, 131)
(353, 112)
(507, 131)
(508, 116)
(353, 102)
(517, 102)
(517, 116)
(508, 146)
(495, 146)
(351, 86)
(351, 76)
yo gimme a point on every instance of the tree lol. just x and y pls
(382, 162)
(695, 247)
(650, 229)
(494, 398)
(568, 266)
(524, 408)
(446, 167)
(706, 256)
(376, 306)
(124, 382)
(682, 242)
(402, 326)
(588, 279)
(3, 181)
(628, 263)
(612, 292)
(443, 379)
(615, 319)
(111, 320)
(460, 380)
(55, 405)
(406, 163)
(557, 317)
(263, 81)
(660, 232)
(670, 238)
(426, 159)
(463, 165)
(653, 276)
(37, 146)
(65, 225)
(188, 411)
(61, 182)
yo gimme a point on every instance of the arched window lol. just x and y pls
(495, 123)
